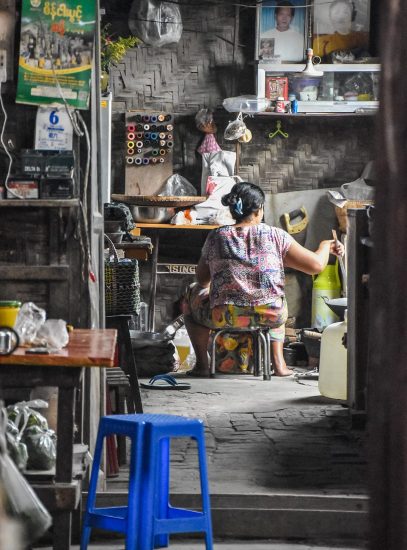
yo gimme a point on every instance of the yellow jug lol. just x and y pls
(326, 285)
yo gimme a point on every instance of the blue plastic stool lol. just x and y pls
(148, 519)
(158, 518)
(121, 519)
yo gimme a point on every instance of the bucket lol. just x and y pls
(327, 285)
(8, 313)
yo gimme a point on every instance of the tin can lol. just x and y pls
(280, 105)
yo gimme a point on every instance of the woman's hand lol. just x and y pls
(336, 248)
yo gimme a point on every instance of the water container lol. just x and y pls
(333, 362)
(183, 344)
(143, 318)
(326, 285)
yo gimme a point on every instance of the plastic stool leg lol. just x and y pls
(134, 501)
(162, 541)
(90, 503)
(206, 505)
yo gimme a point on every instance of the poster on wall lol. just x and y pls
(341, 29)
(56, 49)
(282, 34)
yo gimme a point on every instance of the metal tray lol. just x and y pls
(155, 200)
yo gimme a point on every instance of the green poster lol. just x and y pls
(56, 49)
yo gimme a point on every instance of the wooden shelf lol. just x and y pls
(325, 67)
(173, 226)
(39, 203)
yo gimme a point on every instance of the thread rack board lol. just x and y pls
(148, 151)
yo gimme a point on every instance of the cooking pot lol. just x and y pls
(152, 214)
(8, 340)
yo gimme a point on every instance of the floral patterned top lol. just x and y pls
(246, 264)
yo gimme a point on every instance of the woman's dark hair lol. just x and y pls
(243, 199)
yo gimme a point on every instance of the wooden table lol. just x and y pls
(154, 230)
(63, 369)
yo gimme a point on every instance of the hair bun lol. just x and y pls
(229, 200)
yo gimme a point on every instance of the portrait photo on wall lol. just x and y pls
(341, 29)
(281, 36)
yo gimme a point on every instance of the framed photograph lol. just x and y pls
(341, 26)
(276, 86)
(281, 31)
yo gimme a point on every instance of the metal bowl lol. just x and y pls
(338, 306)
(152, 214)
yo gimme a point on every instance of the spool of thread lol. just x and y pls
(139, 144)
(170, 127)
(139, 151)
(161, 128)
(147, 143)
(153, 135)
(167, 117)
(130, 151)
(130, 145)
(131, 136)
(162, 152)
(146, 161)
(169, 136)
(155, 152)
(170, 144)
(140, 135)
(153, 127)
(130, 160)
(154, 160)
(138, 161)
(161, 159)
(161, 118)
(162, 143)
(131, 128)
(146, 118)
(138, 118)
(147, 135)
(153, 118)
(161, 135)
(140, 127)
(146, 127)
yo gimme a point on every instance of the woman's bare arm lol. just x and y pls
(310, 262)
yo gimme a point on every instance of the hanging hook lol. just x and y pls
(278, 131)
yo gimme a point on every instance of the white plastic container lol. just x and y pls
(183, 344)
(333, 363)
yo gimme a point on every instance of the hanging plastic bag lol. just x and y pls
(177, 186)
(21, 501)
(155, 23)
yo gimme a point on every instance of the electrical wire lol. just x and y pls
(11, 191)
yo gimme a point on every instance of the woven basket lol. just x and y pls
(122, 284)
(342, 213)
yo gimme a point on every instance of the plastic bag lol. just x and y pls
(22, 503)
(246, 104)
(212, 209)
(29, 320)
(53, 333)
(17, 450)
(155, 23)
(235, 129)
(41, 448)
(177, 186)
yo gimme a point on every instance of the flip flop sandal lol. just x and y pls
(165, 382)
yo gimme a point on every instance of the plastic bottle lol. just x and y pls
(143, 317)
(333, 363)
(326, 285)
(183, 344)
(294, 103)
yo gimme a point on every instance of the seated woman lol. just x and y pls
(241, 277)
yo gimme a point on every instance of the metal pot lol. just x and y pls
(152, 214)
(8, 340)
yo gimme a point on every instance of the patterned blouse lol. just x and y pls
(246, 264)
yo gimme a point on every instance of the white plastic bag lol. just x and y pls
(221, 163)
(155, 23)
(28, 322)
(177, 186)
(22, 503)
(53, 333)
(212, 210)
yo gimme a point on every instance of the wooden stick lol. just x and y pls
(341, 265)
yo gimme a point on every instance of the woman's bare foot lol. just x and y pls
(197, 372)
(283, 372)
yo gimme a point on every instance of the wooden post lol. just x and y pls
(387, 406)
